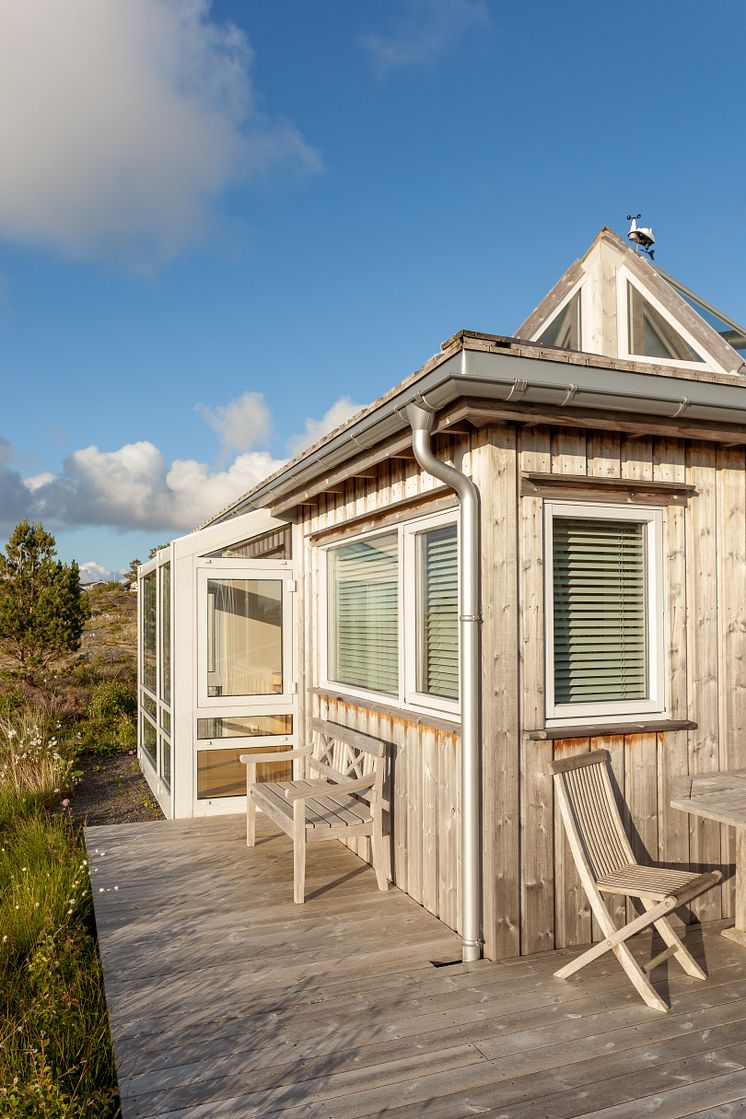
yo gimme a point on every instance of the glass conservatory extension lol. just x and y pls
(217, 662)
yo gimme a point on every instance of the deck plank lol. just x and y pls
(227, 1000)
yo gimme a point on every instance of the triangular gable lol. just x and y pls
(614, 302)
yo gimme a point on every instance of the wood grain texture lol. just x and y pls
(227, 1001)
(530, 891)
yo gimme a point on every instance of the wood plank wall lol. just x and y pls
(532, 899)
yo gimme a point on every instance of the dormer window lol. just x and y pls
(649, 335)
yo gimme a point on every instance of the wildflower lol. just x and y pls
(36, 905)
(66, 803)
(5, 940)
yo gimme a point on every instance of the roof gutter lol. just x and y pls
(422, 420)
(506, 376)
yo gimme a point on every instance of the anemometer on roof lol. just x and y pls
(640, 238)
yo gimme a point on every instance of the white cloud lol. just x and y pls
(35, 481)
(123, 121)
(241, 423)
(92, 572)
(340, 411)
(134, 487)
(427, 28)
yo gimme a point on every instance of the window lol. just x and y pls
(165, 604)
(650, 335)
(604, 611)
(392, 613)
(363, 593)
(149, 630)
(564, 331)
(244, 637)
(436, 613)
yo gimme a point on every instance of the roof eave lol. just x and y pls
(516, 374)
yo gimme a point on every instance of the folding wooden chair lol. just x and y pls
(606, 865)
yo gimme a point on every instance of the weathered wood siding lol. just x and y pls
(532, 899)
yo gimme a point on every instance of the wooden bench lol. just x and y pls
(346, 799)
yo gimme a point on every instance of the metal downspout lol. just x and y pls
(421, 420)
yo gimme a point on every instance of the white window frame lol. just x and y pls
(625, 277)
(407, 697)
(220, 569)
(566, 714)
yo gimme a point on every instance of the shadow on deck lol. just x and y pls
(227, 1000)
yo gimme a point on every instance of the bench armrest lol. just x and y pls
(280, 756)
(358, 786)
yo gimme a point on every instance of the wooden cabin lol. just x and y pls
(606, 441)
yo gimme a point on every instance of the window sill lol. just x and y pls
(603, 730)
(417, 718)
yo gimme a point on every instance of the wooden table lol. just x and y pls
(721, 797)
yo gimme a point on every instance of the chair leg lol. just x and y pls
(639, 979)
(250, 819)
(636, 975)
(680, 952)
(299, 852)
(378, 860)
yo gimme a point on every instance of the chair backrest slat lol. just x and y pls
(591, 813)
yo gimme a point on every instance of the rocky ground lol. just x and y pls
(113, 790)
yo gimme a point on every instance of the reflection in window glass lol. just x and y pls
(149, 740)
(166, 762)
(363, 614)
(149, 705)
(649, 333)
(564, 331)
(165, 573)
(221, 774)
(244, 637)
(166, 720)
(245, 726)
(148, 589)
(437, 612)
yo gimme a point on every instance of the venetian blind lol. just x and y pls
(600, 625)
(437, 653)
(364, 600)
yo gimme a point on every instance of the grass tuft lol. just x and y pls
(55, 1050)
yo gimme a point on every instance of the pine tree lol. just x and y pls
(42, 607)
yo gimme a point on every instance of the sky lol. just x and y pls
(226, 226)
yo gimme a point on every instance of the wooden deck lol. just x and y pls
(226, 1000)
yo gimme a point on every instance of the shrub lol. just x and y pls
(111, 699)
(110, 723)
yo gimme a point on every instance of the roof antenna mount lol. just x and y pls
(641, 238)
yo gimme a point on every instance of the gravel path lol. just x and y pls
(112, 790)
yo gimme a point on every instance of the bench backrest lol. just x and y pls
(342, 754)
(591, 817)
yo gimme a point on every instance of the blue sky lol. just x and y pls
(223, 225)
